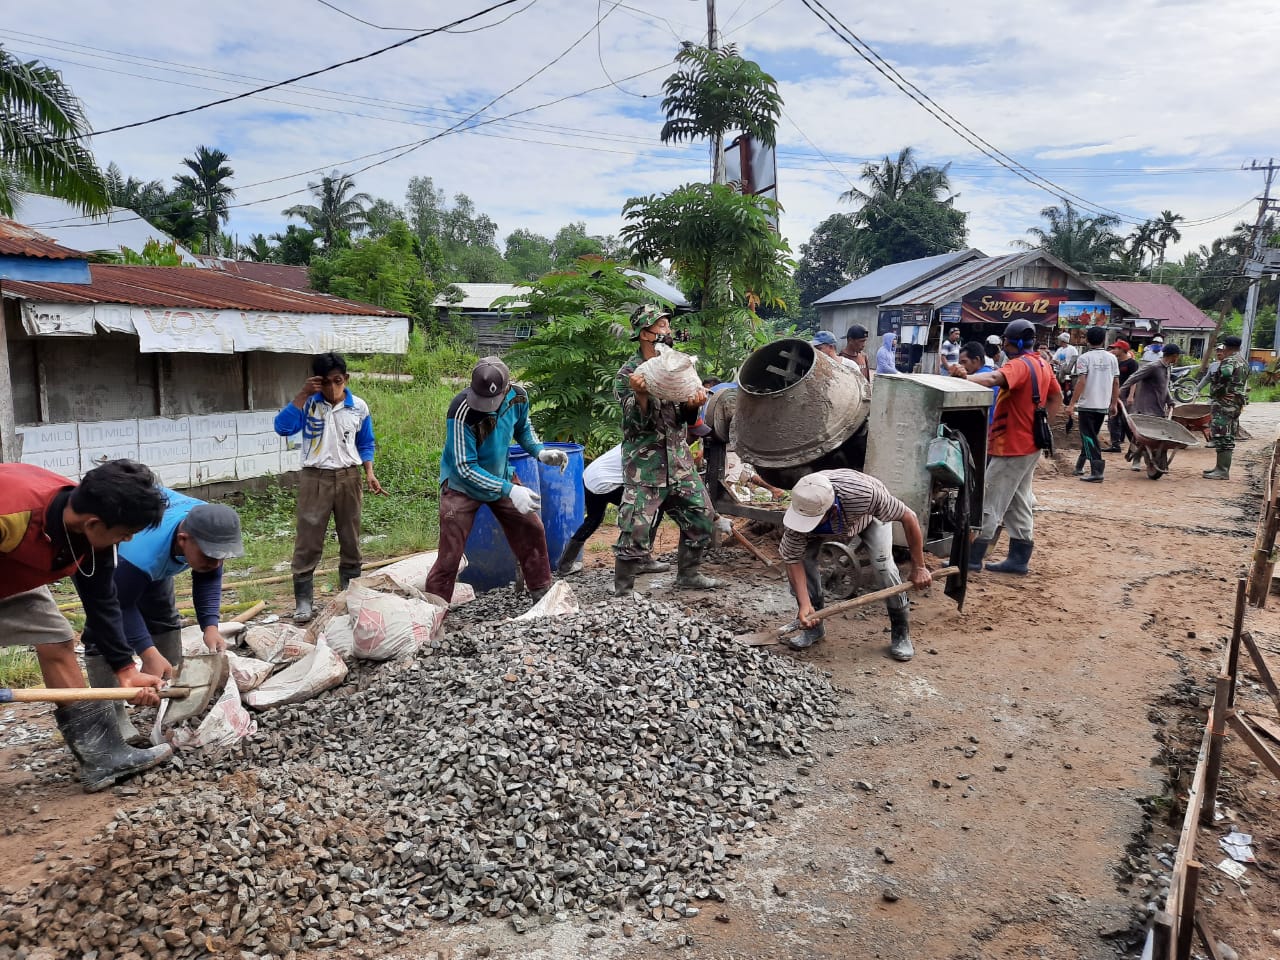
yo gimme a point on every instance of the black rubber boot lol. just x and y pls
(347, 574)
(303, 599)
(538, 594)
(1096, 469)
(624, 576)
(900, 636)
(688, 577)
(104, 758)
(807, 638)
(101, 675)
(569, 560)
(650, 565)
(977, 551)
(1016, 561)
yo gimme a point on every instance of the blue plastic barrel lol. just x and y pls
(490, 562)
(563, 501)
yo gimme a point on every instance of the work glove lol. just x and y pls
(554, 458)
(526, 500)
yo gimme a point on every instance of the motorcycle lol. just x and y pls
(1186, 383)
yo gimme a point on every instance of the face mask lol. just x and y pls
(665, 339)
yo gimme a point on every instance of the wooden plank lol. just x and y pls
(1210, 945)
(1217, 731)
(1255, 742)
(1187, 839)
(1264, 672)
(1233, 648)
(1269, 727)
(1187, 912)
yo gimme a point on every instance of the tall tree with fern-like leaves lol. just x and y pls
(206, 186)
(41, 126)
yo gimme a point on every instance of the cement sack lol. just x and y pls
(225, 725)
(559, 601)
(193, 644)
(278, 643)
(671, 375)
(387, 626)
(249, 673)
(318, 671)
(338, 633)
(411, 572)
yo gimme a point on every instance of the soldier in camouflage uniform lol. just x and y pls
(1229, 391)
(658, 467)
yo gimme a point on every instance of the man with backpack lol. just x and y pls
(1029, 396)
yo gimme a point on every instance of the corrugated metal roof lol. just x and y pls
(480, 296)
(659, 288)
(19, 241)
(111, 232)
(895, 277)
(954, 284)
(1159, 301)
(277, 274)
(188, 287)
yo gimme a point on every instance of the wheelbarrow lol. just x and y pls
(1154, 440)
(1194, 416)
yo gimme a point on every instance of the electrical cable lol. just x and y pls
(283, 83)
(747, 23)
(376, 26)
(600, 52)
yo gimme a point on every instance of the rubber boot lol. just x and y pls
(650, 565)
(1223, 470)
(900, 634)
(101, 675)
(808, 637)
(303, 599)
(977, 551)
(169, 645)
(687, 575)
(348, 573)
(624, 576)
(1095, 472)
(1016, 561)
(538, 594)
(570, 562)
(104, 758)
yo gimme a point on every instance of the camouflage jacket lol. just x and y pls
(655, 452)
(1230, 382)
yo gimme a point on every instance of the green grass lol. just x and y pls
(19, 667)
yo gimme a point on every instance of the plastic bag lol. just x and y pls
(279, 643)
(225, 725)
(388, 626)
(318, 671)
(193, 644)
(249, 673)
(559, 601)
(671, 375)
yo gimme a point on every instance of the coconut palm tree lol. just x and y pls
(1086, 243)
(337, 210)
(258, 249)
(207, 188)
(1166, 232)
(41, 123)
(893, 180)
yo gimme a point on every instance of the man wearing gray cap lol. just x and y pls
(475, 471)
(195, 536)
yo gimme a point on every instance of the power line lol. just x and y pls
(376, 26)
(887, 70)
(600, 52)
(283, 83)
(747, 23)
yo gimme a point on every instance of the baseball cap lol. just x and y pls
(994, 339)
(811, 498)
(1172, 350)
(856, 332)
(215, 528)
(1157, 339)
(1121, 345)
(1064, 338)
(489, 382)
(823, 338)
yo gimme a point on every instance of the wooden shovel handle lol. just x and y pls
(78, 694)
(863, 600)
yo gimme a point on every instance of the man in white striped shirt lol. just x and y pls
(848, 505)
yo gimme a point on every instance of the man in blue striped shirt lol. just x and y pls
(475, 470)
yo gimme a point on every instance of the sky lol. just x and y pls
(1134, 106)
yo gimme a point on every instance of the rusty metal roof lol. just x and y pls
(188, 287)
(19, 241)
(276, 274)
(1159, 301)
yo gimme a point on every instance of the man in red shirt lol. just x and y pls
(51, 528)
(1007, 499)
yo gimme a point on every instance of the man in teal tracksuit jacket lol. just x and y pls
(475, 469)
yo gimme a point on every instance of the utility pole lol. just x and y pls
(717, 141)
(1253, 266)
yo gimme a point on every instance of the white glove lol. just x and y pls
(554, 458)
(526, 500)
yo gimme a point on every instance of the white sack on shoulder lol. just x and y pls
(318, 671)
(671, 375)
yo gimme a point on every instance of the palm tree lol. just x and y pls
(258, 249)
(1140, 242)
(894, 179)
(1166, 232)
(337, 211)
(206, 186)
(41, 123)
(1086, 243)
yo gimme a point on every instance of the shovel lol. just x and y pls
(80, 694)
(205, 675)
(764, 638)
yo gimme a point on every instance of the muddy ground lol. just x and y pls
(1004, 795)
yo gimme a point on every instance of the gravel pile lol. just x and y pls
(571, 767)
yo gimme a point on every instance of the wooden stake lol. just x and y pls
(1217, 731)
(1256, 744)
(751, 547)
(1187, 912)
(1264, 672)
(1210, 945)
(1233, 650)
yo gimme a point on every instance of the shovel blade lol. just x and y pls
(206, 675)
(761, 638)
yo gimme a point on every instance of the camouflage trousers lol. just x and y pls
(685, 501)
(1223, 426)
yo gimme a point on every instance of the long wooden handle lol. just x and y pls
(751, 547)
(78, 694)
(863, 600)
(249, 614)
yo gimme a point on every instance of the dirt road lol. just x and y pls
(989, 799)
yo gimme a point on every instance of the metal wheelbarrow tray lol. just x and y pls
(1155, 441)
(1194, 416)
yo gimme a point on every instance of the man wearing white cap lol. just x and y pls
(995, 353)
(845, 505)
